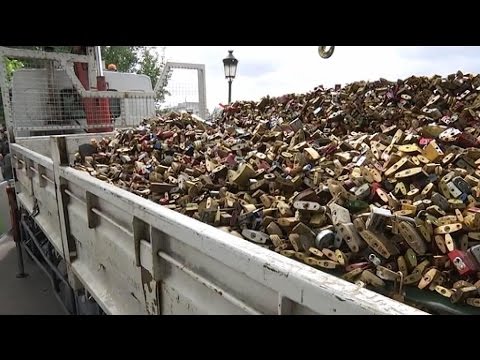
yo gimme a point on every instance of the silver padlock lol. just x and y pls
(441, 201)
(374, 259)
(462, 185)
(255, 236)
(296, 124)
(454, 190)
(362, 191)
(387, 274)
(474, 251)
(376, 221)
(324, 239)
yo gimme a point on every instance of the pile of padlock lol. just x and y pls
(380, 180)
(371, 106)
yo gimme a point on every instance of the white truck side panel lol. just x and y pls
(138, 257)
(36, 184)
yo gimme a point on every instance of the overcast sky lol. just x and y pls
(277, 70)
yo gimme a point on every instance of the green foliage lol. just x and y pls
(126, 58)
(149, 65)
(152, 66)
(12, 65)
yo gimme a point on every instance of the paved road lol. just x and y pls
(32, 295)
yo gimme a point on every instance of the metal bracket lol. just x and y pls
(141, 231)
(92, 202)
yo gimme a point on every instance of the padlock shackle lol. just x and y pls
(399, 282)
(325, 51)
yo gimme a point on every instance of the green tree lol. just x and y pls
(152, 66)
(11, 65)
(126, 58)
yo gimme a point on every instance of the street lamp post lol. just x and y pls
(230, 67)
(230, 90)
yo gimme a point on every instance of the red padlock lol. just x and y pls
(165, 200)
(262, 164)
(166, 134)
(145, 145)
(331, 149)
(295, 171)
(466, 140)
(424, 141)
(373, 190)
(463, 262)
(230, 160)
(360, 265)
(458, 106)
(474, 209)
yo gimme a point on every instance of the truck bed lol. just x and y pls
(137, 257)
